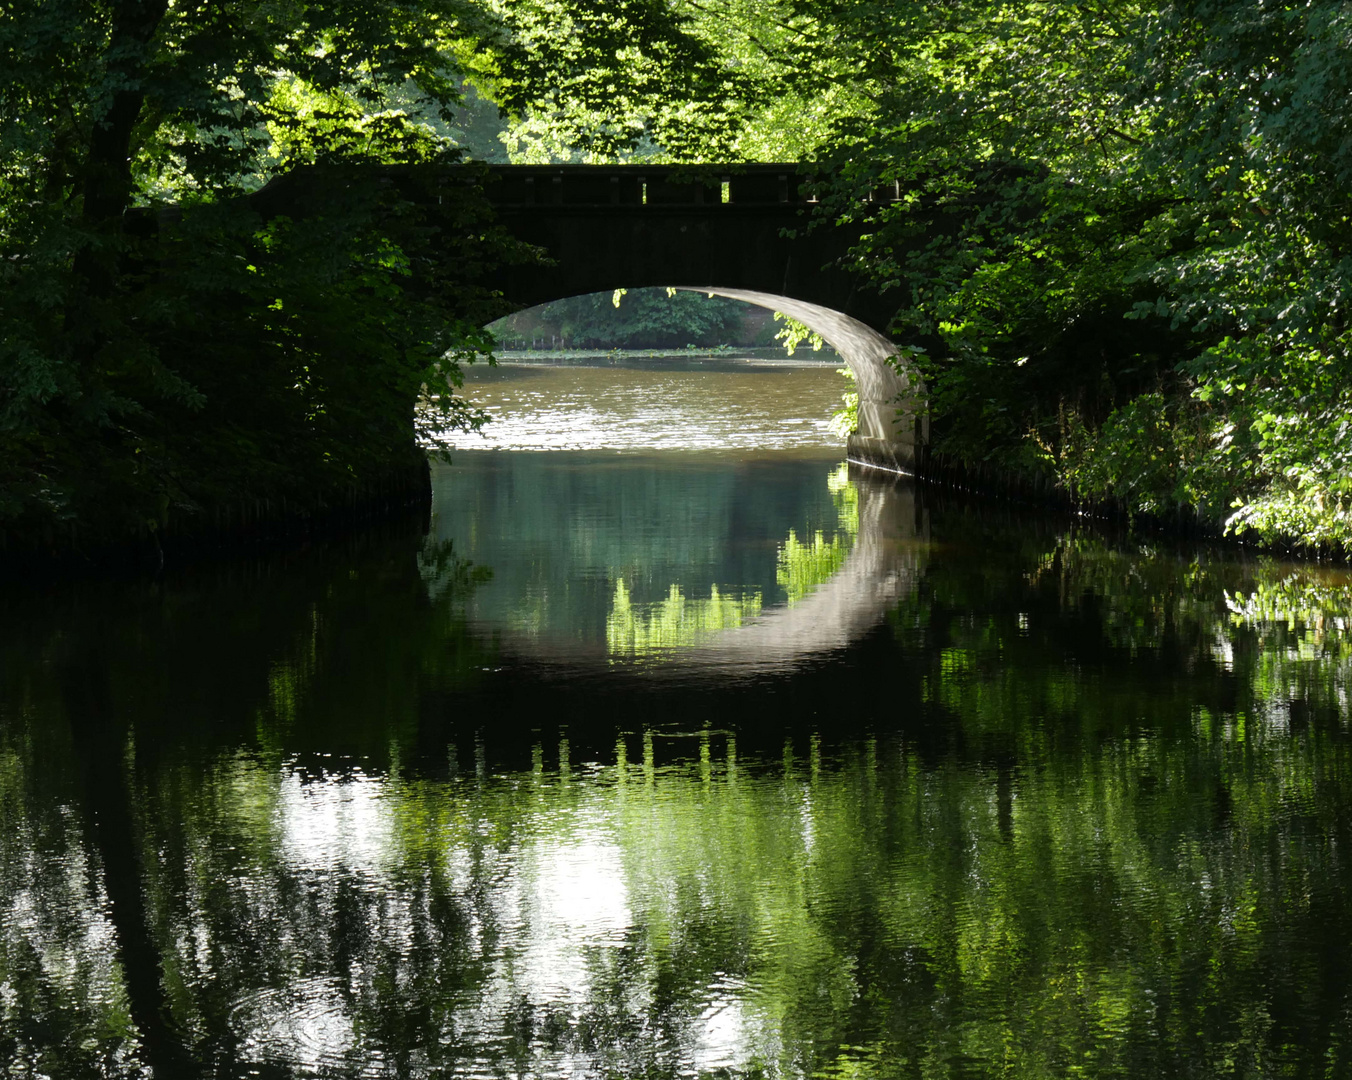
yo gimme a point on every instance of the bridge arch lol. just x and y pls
(892, 429)
(737, 231)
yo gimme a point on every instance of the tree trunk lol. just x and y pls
(107, 166)
(100, 745)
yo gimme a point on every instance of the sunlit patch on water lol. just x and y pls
(328, 822)
(566, 900)
(564, 910)
(536, 407)
(304, 1023)
(726, 1036)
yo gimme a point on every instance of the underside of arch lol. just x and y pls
(892, 429)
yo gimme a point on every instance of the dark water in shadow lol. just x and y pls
(700, 766)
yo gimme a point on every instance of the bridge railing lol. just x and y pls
(652, 185)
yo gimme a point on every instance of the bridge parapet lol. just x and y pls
(653, 185)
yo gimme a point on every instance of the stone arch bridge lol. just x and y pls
(738, 231)
(735, 231)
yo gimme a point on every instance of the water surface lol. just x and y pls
(682, 764)
(697, 404)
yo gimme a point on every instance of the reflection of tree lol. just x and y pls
(804, 566)
(852, 910)
(1092, 833)
(1250, 642)
(634, 629)
(630, 318)
(676, 621)
(1159, 715)
(108, 962)
(101, 743)
(64, 1002)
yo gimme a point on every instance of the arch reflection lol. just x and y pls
(697, 564)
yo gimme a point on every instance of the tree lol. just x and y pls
(634, 318)
(1132, 213)
(168, 347)
(1136, 234)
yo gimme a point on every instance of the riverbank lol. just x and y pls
(227, 529)
(1185, 523)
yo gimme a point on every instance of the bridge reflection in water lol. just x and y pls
(882, 565)
(699, 567)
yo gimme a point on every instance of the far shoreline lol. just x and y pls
(741, 357)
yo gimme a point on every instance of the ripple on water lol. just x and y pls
(724, 1034)
(306, 1025)
(579, 408)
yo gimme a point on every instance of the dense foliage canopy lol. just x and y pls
(1137, 282)
(1120, 255)
(159, 361)
(1122, 248)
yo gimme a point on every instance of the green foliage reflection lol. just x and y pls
(639, 630)
(1094, 824)
(802, 567)
(846, 911)
(676, 621)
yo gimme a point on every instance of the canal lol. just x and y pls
(673, 746)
